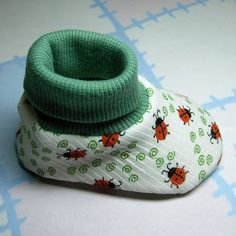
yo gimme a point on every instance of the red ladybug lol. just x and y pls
(160, 128)
(214, 133)
(185, 114)
(175, 174)
(109, 140)
(106, 183)
(77, 153)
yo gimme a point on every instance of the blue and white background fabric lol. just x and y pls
(186, 46)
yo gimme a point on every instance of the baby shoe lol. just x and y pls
(88, 117)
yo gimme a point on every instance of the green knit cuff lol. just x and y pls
(82, 82)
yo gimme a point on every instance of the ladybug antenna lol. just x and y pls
(168, 166)
(164, 172)
(120, 183)
(122, 134)
(59, 155)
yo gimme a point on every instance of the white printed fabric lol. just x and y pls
(173, 148)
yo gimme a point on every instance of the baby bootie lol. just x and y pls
(87, 117)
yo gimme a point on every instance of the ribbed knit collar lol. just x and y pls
(82, 82)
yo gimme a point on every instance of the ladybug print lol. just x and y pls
(214, 133)
(109, 140)
(106, 183)
(160, 128)
(69, 154)
(175, 174)
(185, 114)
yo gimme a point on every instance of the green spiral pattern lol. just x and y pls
(96, 162)
(33, 144)
(132, 144)
(83, 169)
(171, 155)
(140, 156)
(201, 132)
(172, 108)
(98, 152)
(115, 153)
(28, 134)
(47, 150)
(62, 144)
(111, 166)
(140, 120)
(92, 144)
(33, 162)
(188, 101)
(21, 152)
(159, 162)
(45, 158)
(149, 91)
(124, 155)
(164, 96)
(202, 175)
(35, 152)
(153, 152)
(170, 97)
(71, 170)
(201, 110)
(193, 136)
(207, 112)
(197, 149)
(133, 178)
(203, 119)
(201, 160)
(165, 111)
(40, 172)
(127, 168)
(149, 108)
(209, 159)
(51, 170)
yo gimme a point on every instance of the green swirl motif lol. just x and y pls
(202, 175)
(207, 112)
(201, 110)
(171, 155)
(28, 134)
(127, 168)
(62, 144)
(193, 136)
(51, 170)
(201, 160)
(40, 172)
(153, 152)
(92, 144)
(203, 119)
(149, 108)
(140, 120)
(132, 144)
(45, 158)
(115, 152)
(170, 97)
(21, 139)
(83, 169)
(21, 152)
(149, 91)
(47, 150)
(111, 166)
(209, 159)
(201, 132)
(124, 155)
(133, 178)
(164, 96)
(188, 101)
(197, 149)
(98, 152)
(33, 144)
(165, 111)
(159, 162)
(35, 152)
(172, 108)
(71, 170)
(33, 162)
(140, 157)
(96, 162)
